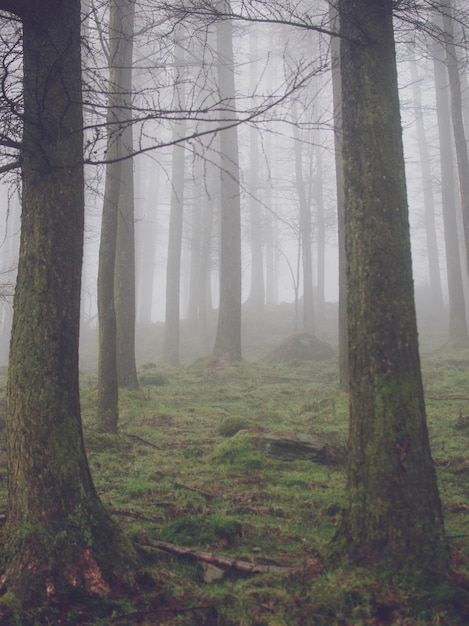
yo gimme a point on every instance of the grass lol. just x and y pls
(184, 468)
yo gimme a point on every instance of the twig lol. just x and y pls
(187, 609)
(148, 443)
(205, 494)
(215, 559)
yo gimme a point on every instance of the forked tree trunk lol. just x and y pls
(392, 519)
(58, 535)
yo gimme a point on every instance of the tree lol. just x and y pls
(457, 326)
(339, 177)
(392, 519)
(108, 395)
(58, 535)
(228, 338)
(173, 267)
(124, 279)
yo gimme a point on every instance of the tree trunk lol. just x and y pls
(58, 535)
(146, 229)
(108, 401)
(304, 238)
(124, 280)
(228, 338)
(173, 268)
(256, 299)
(457, 326)
(393, 519)
(321, 226)
(339, 175)
(427, 187)
(462, 156)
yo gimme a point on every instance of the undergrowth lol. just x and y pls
(185, 469)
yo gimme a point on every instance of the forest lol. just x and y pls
(234, 290)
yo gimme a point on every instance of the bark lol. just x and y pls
(228, 337)
(457, 325)
(392, 519)
(58, 535)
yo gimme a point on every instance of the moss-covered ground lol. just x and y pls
(185, 469)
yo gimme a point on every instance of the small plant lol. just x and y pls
(232, 425)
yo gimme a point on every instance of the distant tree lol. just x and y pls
(457, 325)
(124, 279)
(173, 267)
(427, 192)
(108, 400)
(459, 132)
(392, 519)
(228, 337)
(305, 227)
(58, 535)
(339, 177)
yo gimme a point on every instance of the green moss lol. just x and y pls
(239, 453)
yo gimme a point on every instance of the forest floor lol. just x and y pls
(185, 470)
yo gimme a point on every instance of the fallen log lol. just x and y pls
(215, 559)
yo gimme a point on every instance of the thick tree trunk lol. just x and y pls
(228, 338)
(58, 535)
(393, 519)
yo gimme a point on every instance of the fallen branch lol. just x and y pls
(147, 443)
(215, 559)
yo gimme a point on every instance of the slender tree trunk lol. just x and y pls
(457, 117)
(393, 519)
(124, 280)
(173, 269)
(256, 298)
(228, 337)
(108, 400)
(58, 535)
(457, 328)
(321, 229)
(428, 202)
(146, 229)
(304, 229)
(339, 175)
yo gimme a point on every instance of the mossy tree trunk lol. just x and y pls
(393, 519)
(58, 534)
